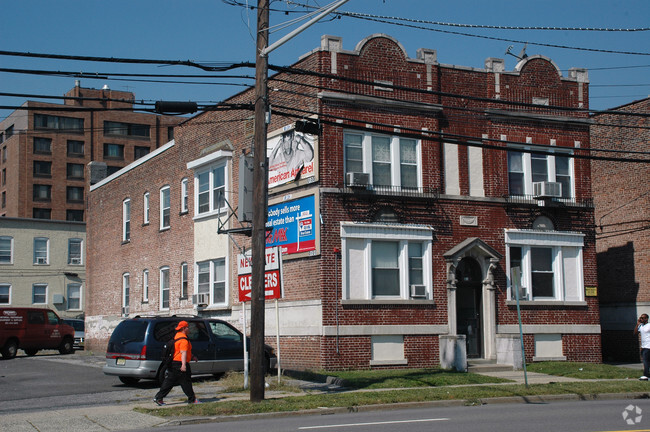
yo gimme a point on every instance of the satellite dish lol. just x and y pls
(522, 54)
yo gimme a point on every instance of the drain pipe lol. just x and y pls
(337, 252)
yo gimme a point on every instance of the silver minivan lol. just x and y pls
(135, 348)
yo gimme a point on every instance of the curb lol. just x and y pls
(541, 399)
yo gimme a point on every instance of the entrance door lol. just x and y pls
(468, 305)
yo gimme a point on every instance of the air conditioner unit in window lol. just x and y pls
(418, 291)
(547, 190)
(125, 311)
(202, 299)
(75, 260)
(357, 179)
(41, 260)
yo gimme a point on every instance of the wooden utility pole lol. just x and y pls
(260, 191)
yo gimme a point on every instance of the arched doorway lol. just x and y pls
(468, 305)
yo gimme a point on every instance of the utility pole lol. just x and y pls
(260, 190)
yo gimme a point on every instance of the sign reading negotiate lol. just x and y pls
(272, 275)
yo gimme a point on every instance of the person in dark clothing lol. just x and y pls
(179, 372)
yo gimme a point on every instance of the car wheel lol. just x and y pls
(129, 380)
(10, 349)
(67, 346)
(31, 352)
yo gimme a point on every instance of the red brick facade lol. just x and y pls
(623, 244)
(377, 89)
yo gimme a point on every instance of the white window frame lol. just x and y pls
(68, 288)
(145, 286)
(8, 286)
(39, 285)
(164, 278)
(81, 251)
(551, 170)
(395, 157)
(184, 280)
(37, 259)
(356, 241)
(564, 265)
(213, 281)
(165, 191)
(207, 164)
(126, 292)
(126, 220)
(184, 195)
(11, 250)
(145, 208)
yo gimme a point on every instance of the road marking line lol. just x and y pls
(373, 423)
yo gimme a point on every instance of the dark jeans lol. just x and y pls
(645, 356)
(175, 376)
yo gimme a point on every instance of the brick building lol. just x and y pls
(45, 148)
(409, 198)
(622, 197)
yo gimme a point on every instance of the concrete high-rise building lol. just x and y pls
(45, 148)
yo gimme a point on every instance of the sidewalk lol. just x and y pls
(120, 417)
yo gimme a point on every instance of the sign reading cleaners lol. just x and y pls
(292, 225)
(272, 275)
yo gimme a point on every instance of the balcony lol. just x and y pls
(532, 200)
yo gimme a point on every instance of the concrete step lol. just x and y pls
(483, 365)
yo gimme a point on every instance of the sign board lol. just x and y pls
(291, 156)
(591, 291)
(272, 275)
(292, 225)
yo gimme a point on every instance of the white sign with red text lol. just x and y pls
(272, 275)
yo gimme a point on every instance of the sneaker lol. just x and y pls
(159, 402)
(194, 402)
(643, 378)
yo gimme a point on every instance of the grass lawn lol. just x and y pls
(415, 385)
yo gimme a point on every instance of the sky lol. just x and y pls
(214, 31)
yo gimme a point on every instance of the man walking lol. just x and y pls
(179, 372)
(643, 327)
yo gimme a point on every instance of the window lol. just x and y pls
(211, 281)
(41, 250)
(4, 199)
(43, 121)
(390, 161)
(39, 294)
(42, 169)
(170, 133)
(145, 286)
(75, 171)
(164, 208)
(5, 294)
(164, 288)
(4, 154)
(545, 265)
(42, 213)
(127, 129)
(139, 151)
(75, 193)
(74, 296)
(75, 251)
(210, 185)
(114, 151)
(184, 195)
(524, 169)
(383, 261)
(6, 250)
(9, 132)
(126, 292)
(184, 280)
(126, 220)
(4, 176)
(145, 205)
(74, 215)
(43, 145)
(75, 148)
(42, 192)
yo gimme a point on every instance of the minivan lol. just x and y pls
(33, 329)
(135, 348)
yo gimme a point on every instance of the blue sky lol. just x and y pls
(213, 31)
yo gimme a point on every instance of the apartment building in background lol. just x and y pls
(416, 204)
(622, 198)
(42, 264)
(45, 147)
